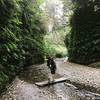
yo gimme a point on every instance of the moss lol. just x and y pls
(84, 42)
(21, 38)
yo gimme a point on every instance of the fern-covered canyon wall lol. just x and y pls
(21, 37)
(84, 40)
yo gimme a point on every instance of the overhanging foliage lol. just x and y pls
(21, 37)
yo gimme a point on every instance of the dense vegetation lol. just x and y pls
(55, 15)
(84, 40)
(54, 42)
(21, 37)
(22, 34)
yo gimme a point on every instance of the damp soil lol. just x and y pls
(24, 88)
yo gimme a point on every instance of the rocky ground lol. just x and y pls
(84, 76)
(80, 81)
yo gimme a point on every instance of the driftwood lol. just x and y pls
(45, 83)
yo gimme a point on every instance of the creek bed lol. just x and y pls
(23, 87)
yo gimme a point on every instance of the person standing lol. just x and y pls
(52, 66)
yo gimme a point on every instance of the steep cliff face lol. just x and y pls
(21, 37)
(84, 44)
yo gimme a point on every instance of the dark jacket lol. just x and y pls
(52, 65)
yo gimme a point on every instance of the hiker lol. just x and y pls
(52, 66)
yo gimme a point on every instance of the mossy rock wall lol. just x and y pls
(21, 38)
(84, 43)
